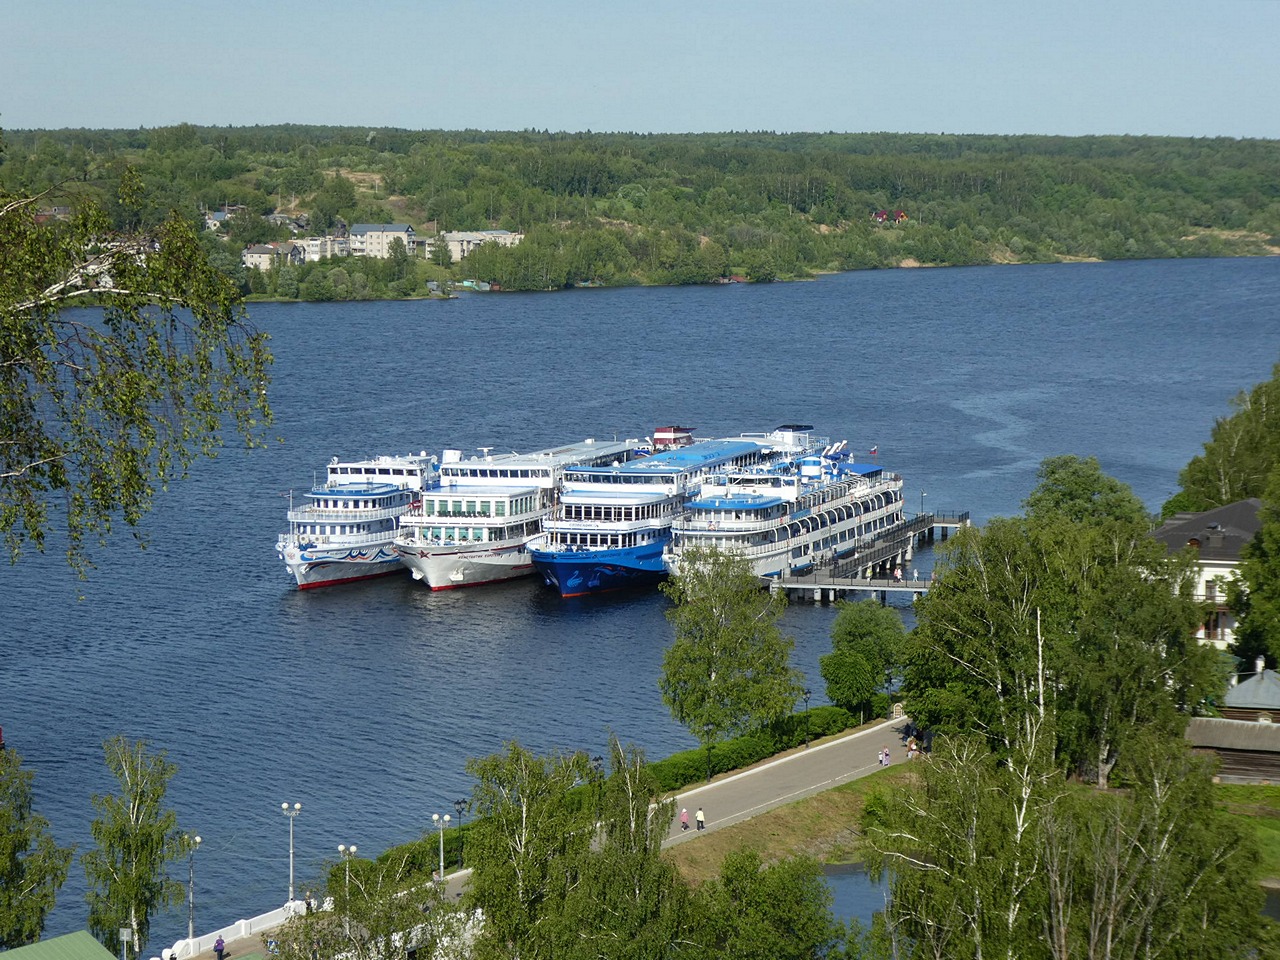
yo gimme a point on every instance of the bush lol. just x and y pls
(690, 766)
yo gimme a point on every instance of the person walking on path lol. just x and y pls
(219, 947)
(701, 818)
(684, 818)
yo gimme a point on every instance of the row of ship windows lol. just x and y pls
(333, 529)
(576, 511)
(599, 540)
(492, 473)
(477, 508)
(379, 472)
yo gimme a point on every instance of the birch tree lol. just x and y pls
(136, 837)
(729, 669)
(101, 408)
(32, 865)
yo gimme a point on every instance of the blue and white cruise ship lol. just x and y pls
(612, 523)
(787, 515)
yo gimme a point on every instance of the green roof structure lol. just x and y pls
(73, 946)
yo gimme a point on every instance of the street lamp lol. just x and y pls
(458, 807)
(922, 496)
(290, 812)
(346, 853)
(191, 887)
(441, 822)
(807, 693)
(707, 730)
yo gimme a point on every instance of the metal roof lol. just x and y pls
(1259, 692)
(73, 946)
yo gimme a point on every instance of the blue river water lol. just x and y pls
(363, 702)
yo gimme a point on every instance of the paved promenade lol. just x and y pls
(728, 799)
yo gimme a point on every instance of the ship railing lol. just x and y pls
(611, 526)
(315, 514)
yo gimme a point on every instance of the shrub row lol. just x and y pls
(690, 766)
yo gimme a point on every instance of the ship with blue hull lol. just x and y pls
(611, 526)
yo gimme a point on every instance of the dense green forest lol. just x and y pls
(623, 208)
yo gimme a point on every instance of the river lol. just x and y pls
(363, 702)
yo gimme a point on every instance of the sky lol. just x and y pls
(1148, 67)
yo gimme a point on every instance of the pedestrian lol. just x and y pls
(684, 818)
(886, 756)
(897, 574)
(915, 573)
(309, 902)
(701, 819)
(880, 758)
(219, 946)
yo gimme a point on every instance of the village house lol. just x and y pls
(462, 242)
(375, 239)
(323, 248)
(1217, 536)
(1246, 738)
(262, 256)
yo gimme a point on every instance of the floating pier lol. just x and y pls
(870, 568)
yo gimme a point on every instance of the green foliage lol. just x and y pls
(991, 859)
(382, 910)
(728, 670)
(135, 838)
(626, 208)
(866, 642)
(32, 866)
(525, 833)
(781, 911)
(1074, 593)
(1076, 490)
(97, 409)
(1240, 455)
(1255, 594)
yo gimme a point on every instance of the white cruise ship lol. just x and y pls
(343, 531)
(475, 526)
(786, 516)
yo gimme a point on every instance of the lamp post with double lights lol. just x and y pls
(441, 822)
(346, 853)
(291, 812)
(458, 806)
(191, 886)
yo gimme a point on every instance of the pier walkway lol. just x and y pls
(870, 569)
(726, 800)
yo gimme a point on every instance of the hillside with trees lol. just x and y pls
(624, 208)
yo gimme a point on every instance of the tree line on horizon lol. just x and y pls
(618, 208)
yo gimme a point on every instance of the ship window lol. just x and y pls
(499, 509)
(471, 507)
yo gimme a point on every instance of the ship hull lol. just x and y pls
(325, 568)
(453, 569)
(576, 573)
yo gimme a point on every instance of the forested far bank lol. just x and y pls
(620, 208)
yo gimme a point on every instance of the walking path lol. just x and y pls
(725, 801)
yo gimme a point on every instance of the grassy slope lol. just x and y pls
(825, 827)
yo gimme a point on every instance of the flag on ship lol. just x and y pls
(875, 450)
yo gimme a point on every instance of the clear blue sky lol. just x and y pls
(1176, 67)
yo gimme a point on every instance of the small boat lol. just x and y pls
(474, 527)
(343, 530)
